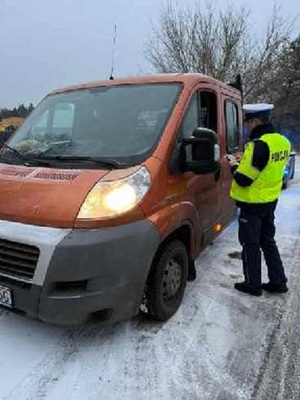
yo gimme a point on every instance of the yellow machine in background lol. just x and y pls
(10, 124)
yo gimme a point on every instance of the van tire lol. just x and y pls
(167, 281)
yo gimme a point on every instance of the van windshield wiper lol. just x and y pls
(27, 161)
(15, 151)
(110, 162)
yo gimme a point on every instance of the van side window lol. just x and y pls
(202, 112)
(63, 119)
(208, 110)
(190, 120)
(232, 125)
(55, 123)
(40, 127)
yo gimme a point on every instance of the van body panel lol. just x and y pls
(82, 272)
(202, 199)
(83, 269)
(189, 80)
(16, 234)
(42, 196)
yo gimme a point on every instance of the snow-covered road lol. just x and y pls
(221, 344)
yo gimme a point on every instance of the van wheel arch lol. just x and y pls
(185, 235)
(170, 270)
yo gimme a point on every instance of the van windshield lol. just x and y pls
(117, 123)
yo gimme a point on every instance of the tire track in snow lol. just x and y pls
(279, 377)
(47, 373)
(214, 348)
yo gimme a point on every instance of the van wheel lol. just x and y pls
(167, 281)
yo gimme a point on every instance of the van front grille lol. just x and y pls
(18, 260)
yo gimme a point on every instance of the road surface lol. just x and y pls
(221, 344)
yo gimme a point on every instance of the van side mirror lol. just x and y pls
(201, 152)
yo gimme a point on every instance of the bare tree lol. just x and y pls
(287, 94)
(287, 80)
(219, 43)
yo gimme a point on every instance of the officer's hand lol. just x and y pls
(232, 160)
(238, 156)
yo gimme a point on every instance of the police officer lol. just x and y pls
(256, 186)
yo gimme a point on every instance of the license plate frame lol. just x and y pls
(6, 297)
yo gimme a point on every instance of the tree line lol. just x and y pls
(21, 111)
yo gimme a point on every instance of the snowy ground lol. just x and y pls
(221, 344)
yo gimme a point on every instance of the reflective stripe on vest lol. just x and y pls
(266, 186)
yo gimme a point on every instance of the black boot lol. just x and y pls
(243, 287)
(273, 288)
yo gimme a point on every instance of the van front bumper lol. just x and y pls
(80, 275)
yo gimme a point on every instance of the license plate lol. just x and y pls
(5, 296)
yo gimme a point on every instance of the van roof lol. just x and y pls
(189, 79)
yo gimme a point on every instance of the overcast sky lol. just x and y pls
(48, 44)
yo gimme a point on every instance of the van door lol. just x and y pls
(203, 189)
(232, 135)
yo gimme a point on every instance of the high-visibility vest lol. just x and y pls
(267, 184)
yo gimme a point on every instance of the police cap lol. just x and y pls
(259, 110)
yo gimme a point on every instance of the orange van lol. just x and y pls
(109, 191)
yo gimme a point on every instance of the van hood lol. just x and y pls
(46, 197)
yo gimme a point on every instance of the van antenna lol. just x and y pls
(113, 52)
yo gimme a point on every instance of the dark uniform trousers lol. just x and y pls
(256, 233)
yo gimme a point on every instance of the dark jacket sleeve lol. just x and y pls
(260, 159)
(261, 154)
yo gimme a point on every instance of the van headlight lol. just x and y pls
(109, 199)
